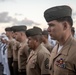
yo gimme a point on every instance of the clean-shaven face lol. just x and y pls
(55, 29)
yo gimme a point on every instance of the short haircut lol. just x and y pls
(38, 38)
(68, 19)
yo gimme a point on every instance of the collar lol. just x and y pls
(66, 47)
(38, 48)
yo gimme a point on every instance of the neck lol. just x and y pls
(63, 40)
(23, 39)
(10, 37)
(36, 45)
(46, 40)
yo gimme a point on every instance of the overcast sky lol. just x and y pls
(29, 12)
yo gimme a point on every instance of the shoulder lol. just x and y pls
(43, 52)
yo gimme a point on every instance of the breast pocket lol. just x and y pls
(33, 63)
(64, 66)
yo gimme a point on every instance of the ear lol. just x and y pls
(65, 25)
(35, 41)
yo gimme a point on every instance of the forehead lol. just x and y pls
(17, 33)
(8, 31)
(29, 37)
(44, 35)
(52, 22)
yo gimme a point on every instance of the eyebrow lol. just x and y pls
(51, 24)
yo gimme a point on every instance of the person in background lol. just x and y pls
(4, 41)
(20, 36)
(1, 58)
(38, 60)
(45, 41)
(73, 31)
(15, 48)
(10, 48)
(63, 55)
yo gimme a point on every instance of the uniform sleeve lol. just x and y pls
(25, 50)
(11, 43)
(10, 49)
(43, 61)
(16, 45)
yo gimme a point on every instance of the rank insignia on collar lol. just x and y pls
(61, 63)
